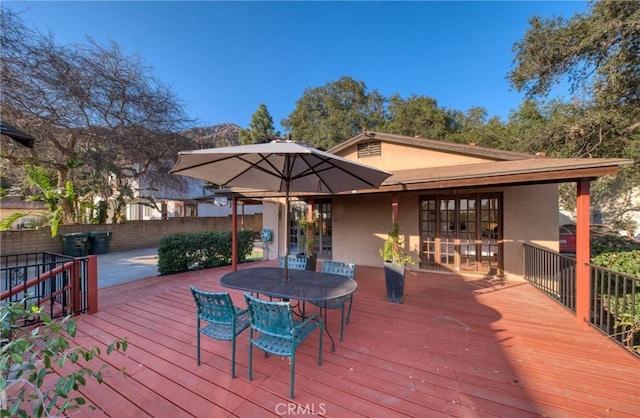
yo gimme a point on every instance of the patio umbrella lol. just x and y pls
(281, 166)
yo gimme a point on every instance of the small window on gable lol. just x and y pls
(369, 149)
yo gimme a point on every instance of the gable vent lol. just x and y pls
(370, 149)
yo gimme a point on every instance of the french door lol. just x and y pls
(322, 212)
(462, 232)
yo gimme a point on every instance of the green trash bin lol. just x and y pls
(99, 242)
(76, 244)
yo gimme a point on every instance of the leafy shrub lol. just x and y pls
(615, 252)
(183, 252)
(627, 262)
(35, 349)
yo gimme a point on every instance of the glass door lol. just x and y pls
(461, 233)
(322, 211)
(468, 234)
(447, 221)
(429, 231)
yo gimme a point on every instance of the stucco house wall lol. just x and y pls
(528, 218)
(404, 157)
(361, 223)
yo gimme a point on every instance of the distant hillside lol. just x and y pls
(221, 135)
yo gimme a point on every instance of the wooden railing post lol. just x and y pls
(92, 284)
(583, 253)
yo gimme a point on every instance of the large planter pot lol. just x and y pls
(311, 262)
(394, 279)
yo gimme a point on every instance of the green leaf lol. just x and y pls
(47, 360)
(41, 375)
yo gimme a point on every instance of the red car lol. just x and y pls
(567, 239)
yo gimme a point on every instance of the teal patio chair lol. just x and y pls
(295, 263)
(224, 321)
(342, 269)
(278, 332)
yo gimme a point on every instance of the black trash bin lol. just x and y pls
(76, 244)
(99, 242)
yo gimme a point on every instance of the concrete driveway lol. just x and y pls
(125, 266)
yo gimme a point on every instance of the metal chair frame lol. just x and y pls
(278, 332)
(342, 269)
(224, 320)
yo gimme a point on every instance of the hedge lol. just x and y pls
(182, 252)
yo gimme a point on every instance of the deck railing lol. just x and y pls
(614, 297)
(552, 273)
(615, 306)
(58, 284)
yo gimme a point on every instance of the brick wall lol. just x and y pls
(127, 236)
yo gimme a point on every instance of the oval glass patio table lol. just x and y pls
(303, 285)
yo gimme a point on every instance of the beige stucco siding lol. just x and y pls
(270, 221)
(529, 217)
(362, 222)
(360, 225)
(402, 157)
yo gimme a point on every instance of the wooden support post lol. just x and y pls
(394, 208)
(76, 294)
(92, 284)
(234, 234)
(583, 254)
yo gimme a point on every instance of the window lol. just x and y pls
(370, 149)
(191, 209)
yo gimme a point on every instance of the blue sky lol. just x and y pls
(224, 59)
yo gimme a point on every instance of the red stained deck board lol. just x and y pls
(458, 346)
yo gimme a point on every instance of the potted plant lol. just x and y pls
(307, 240)
(395, 261)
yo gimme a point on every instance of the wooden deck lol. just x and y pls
(458, 346)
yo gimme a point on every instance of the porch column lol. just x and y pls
(310, 209)
(583, 253)
(92, 284)
(394, 208)
(234, 234)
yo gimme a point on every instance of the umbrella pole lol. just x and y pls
(286, 233)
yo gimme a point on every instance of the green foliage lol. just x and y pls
(596, 54)
(626, 262)
(308, 231)
(629, 323)
(34, 351)
(182, 252)
(101, 213)
(7, 222)
(330, 114)
(260, 128)
(417, 115)
(393, 248)
(598, 49)
(615, 252)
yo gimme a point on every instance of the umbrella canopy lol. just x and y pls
(278, 166)
(282, 166)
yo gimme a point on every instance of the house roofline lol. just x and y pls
(432, 144)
